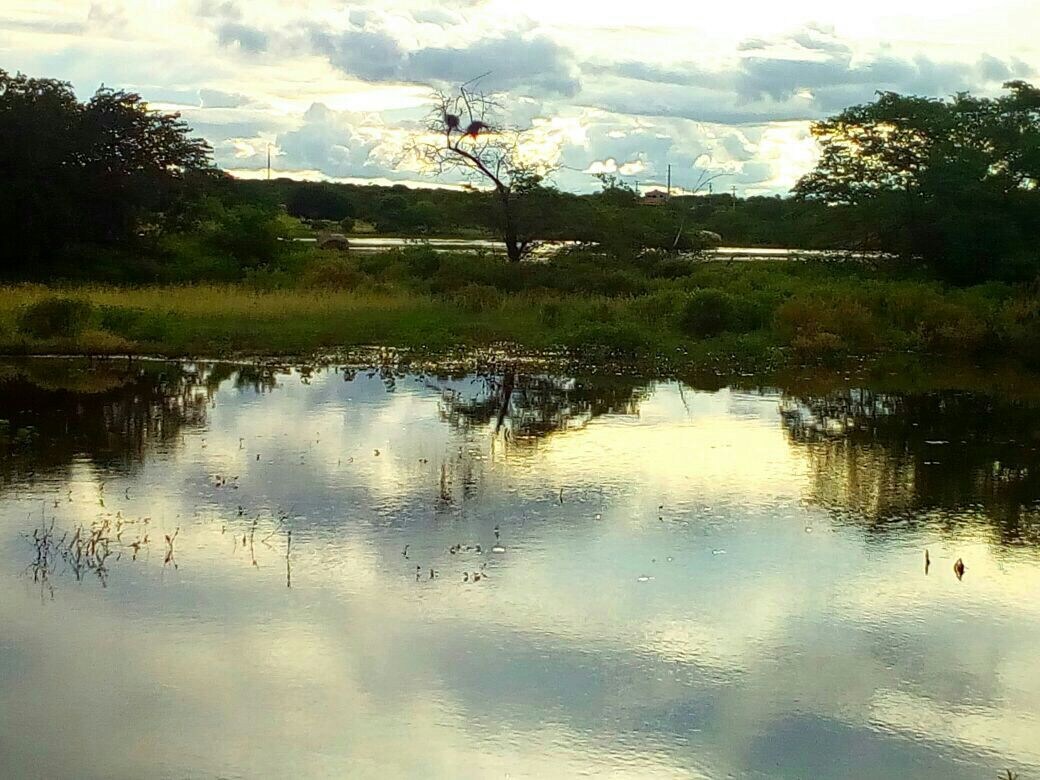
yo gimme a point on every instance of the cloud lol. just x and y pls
(220, 9)
(107, 15)
(338, 143)
(215, 98)
(601, 94)
(511, 61)
(45, 26)
(370, 56)
(243, 36)
(804, 75)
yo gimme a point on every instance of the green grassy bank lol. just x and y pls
(671, 311)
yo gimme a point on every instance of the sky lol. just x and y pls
(724, 92)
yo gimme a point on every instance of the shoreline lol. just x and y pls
(880, 373)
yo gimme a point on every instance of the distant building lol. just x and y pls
(655, 197)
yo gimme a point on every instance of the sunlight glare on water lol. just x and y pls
(216, 570)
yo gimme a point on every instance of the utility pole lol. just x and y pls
(669, 180)
(269, 162)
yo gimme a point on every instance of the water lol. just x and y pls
(683, 582)
(547, 249)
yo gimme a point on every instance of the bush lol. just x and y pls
(599, 339)
(827, 327)
(51, 318)
(661, 308)
(134, 323)
(478, 298)
(332, 273)
(552, 313)
(708, 313)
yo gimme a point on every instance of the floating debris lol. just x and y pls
(498, 549)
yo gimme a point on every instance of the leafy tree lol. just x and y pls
(320, 201)
(953, 182)
(252, 235)
(103, 171)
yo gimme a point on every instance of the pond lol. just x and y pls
(212, 570)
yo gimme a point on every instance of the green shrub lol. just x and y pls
(552, 313)
(708, 313)
(599, 339)
(478, 298)
(660, 308)
(51, 318)
(826, 327)
(134, 323)
(332, 273)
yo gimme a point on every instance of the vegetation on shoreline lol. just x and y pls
(676, 312)
(948, 188)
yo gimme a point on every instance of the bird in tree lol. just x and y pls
(474, 128)
(468, 113)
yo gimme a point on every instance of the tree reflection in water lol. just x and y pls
(525, 408)
(893, 457)
(112, 413)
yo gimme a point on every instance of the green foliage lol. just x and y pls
(604, 340)
(331, 271)
(51, 318)
(478, 298)
(741, 314)
(319, 201)
(252, 235)
(951, 182)
(104, 171)
(708, 313)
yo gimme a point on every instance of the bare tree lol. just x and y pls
(463, 136)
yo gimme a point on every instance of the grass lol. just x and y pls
(668, 311)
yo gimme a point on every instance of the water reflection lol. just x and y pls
(942, 456)
(523, 408)
(672, 581)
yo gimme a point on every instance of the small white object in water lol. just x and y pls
(643, 578)
(718, 552)
(499, 549)
(599, 516)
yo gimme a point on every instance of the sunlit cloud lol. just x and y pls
(642, 86)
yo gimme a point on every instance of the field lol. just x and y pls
(673, 312)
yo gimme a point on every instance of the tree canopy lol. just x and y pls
(100, 171)
(954, 182)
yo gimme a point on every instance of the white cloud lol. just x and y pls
(728, 87)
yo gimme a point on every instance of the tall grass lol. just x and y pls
(754, 312)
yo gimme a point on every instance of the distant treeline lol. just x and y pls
(769, 221)
(109, 189)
